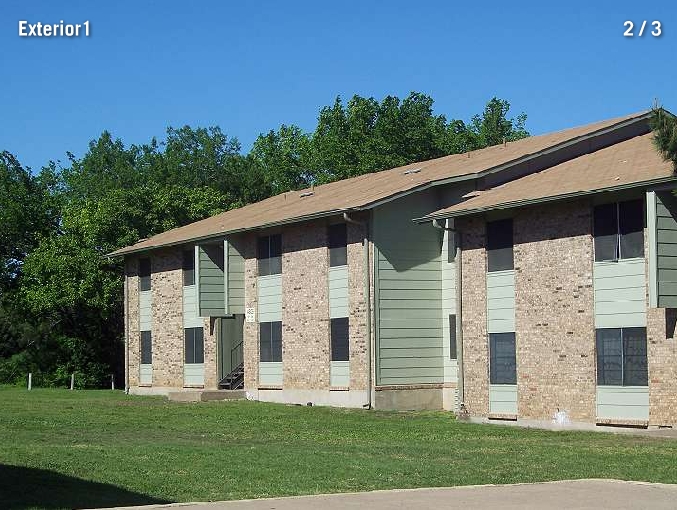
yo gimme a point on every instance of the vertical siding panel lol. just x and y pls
(409, 293)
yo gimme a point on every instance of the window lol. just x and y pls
(146, 348)
(619, 230)
(621, 357)
(340, 350)
(499, 245)
(502, 363)
(270, 255)
(144, 274)
(270, 341)
(194, 345)
(188, 267)
(452, 337)
(338, 245)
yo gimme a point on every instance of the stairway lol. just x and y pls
(234, 380)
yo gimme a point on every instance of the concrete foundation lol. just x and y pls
(409, 399)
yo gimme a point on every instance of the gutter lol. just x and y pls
(367, 295)
(459, 315)
(541, 200)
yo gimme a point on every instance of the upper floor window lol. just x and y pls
(619, 230)
(189, 267)
(499, 245)
(270, 255)
(338, 245)
(144, 274)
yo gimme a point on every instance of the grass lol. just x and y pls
(96, 448)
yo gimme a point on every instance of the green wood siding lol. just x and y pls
(501, 301)
(339, 373)
(146, 374)
(666, 249)
(503, 398)
(620, 293)
(145, 310)
(211, 280)
(193, 374)
(191, 317)
(270, 298)
(623, 402)
(235, 283)
(270, 373)
(409, 325)
(338, 292)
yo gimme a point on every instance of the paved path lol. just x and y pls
(576, 494)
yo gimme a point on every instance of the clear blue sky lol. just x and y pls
(250, 66)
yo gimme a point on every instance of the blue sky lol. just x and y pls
(250, 66)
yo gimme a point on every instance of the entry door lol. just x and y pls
(230, 344)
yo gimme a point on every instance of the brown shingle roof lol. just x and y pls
(630, 163)
(366, 190)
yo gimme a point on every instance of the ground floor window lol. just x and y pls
(270, 341)
(502, 361)
(622, 357)
(340, 349)
(194, 344)
(146, 348)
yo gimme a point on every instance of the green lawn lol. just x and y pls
(94, 448)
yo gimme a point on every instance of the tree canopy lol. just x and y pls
(664, 126)
(61, 307)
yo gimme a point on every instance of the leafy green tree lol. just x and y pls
(283, 157)
(664, 126)
(493, 126)
(25, 215)
(367, 136)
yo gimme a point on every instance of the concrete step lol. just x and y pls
(222, 395)
(205, 395)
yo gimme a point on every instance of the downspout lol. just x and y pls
(126, 297)
(459, 314)
(367, 294)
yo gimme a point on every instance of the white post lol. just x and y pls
(30, 381)
(72, 381)
(112, 382)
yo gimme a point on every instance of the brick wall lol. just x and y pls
(210, 352)
(132, 320)
(305, 307)
(250, 333)
(167, 317)
(357, 306)
(474, 320)
(554, 311)
(662, 353)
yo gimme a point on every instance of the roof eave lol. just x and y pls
(216, 235)
(522, 203)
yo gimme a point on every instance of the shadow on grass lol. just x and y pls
(23, 487)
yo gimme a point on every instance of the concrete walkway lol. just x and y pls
(576, 494)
